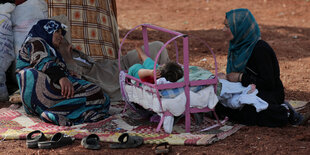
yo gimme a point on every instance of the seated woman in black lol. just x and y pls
(252, 61)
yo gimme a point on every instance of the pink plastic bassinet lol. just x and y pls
(126, 79)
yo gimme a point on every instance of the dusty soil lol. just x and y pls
(285, 25)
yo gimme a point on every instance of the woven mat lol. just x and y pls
(15, 124)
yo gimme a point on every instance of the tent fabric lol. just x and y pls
(93, 25)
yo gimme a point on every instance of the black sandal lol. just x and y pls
(127, 141)
(91, 142)
(162, 148)
(58, 140)
(32, 142)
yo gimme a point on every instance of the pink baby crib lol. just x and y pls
(126, 80)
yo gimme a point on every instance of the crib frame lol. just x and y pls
(124, 77)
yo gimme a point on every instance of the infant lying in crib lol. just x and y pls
(170, 71)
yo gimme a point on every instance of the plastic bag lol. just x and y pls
(7, 54)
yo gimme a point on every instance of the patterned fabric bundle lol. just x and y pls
(41, 96)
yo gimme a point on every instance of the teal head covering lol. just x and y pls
(246, 33)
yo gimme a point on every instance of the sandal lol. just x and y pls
(162, 148)
(130, 142)
(58, 140)
(32, 142)
(91, 142)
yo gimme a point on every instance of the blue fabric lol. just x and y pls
(147, 64)
(197, 73)
(245, 30)
(41, 98)
(47, 58)
(45, 29)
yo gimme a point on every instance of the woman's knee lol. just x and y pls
(25, 74)
(157, 44)
(154, 48)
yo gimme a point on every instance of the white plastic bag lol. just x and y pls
(24, 17)
(7, 54)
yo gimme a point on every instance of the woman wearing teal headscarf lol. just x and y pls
(252, 61)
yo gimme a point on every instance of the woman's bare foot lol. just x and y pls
(16, 98)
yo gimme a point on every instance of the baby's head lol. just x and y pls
(171, 71)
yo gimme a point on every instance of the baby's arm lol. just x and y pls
(147, 72)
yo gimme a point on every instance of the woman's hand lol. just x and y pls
(222, 76)
(65, 49)
(67, 89)
(234, 77)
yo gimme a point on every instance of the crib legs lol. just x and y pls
(160, 123)
(166, 113)
(187, 117)
(218, 124)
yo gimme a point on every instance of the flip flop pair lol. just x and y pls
(40, 141)
(34, 137)
(92, 142)
(127, 141)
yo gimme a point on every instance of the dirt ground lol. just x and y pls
(284, 24)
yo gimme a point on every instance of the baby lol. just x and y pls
(235, 96)
(223, 76)
(171, 71)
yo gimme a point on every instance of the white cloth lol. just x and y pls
(176, 106)
(234, 95)
(6, 9)
(162, 80)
